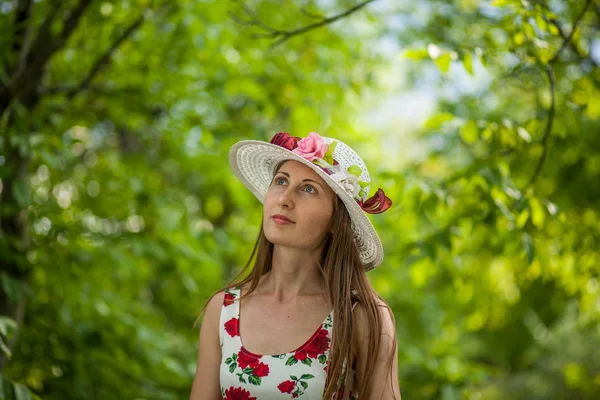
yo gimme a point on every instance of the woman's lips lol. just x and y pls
(281, 220)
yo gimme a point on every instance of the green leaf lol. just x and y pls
(416, 54)
(234, 356)
(21, 392)
(541, 23)
(304, 385)
(332, 147)
(524, 134)
(469, 132)
(538, 213)
(355, 170)
(291, 361)
(528, 247)
(254, 380)
(21, 192)
(483, 60)
(10, 287)
(529, 30)
(293, 377)
(307, 376)
(307, 361)
(5, 384)
(468, 63)
(7, 325)
(4, 348)
(322, 358)
(248, 370)
(443, 62)
(228, 360)
(437, 120)
(49, 158)
(232, 367)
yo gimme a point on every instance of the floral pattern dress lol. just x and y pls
(244, 375)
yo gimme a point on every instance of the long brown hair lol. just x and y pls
(346, 283)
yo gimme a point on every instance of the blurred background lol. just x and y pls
(119, 214)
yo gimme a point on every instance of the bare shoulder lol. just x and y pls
(213, 308)
(388, 323)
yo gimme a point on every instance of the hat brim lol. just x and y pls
(254, 163)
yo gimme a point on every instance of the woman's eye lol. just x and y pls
(277, 180)
(313, 190)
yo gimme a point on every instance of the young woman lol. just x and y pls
(302, 320)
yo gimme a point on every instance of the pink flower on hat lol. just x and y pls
(311, 147)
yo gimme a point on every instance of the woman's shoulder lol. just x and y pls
(361, 314)
(213, 307)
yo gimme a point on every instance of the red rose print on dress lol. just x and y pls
(252, 369)
(245, 360)
(295, 386)
(319, 345)
(233, 327)
(316, 349)
(300, 355)
(237, 394)
(261, 370)
(229, 298)
(286, 387)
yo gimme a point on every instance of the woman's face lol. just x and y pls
(300, 194)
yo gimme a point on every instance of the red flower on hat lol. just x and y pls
(283, 139)
(233, 327)
(238, 393)
(311, 147)
(377, 204)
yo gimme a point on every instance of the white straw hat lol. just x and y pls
(254, 163)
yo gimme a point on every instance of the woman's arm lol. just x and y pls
(206, 384)
(384, 382)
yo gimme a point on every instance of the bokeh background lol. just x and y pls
(119, 214)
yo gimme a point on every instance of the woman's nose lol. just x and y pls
(285, 199)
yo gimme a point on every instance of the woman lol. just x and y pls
(313, 249)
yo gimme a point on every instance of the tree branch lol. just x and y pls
(283, 35)
(43, 37)
(552, 110)
(71, 23)
(572, 45)
(22, 16)
(27, 77)
(567, 40)
(104, 60)
(310, 14)
(547, 130)
(253, 19)
(105, 90)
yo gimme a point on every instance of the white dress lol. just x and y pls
(244, 375)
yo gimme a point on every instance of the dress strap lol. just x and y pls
(230, 316)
